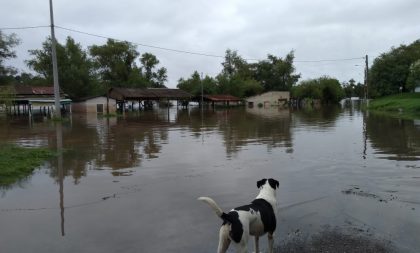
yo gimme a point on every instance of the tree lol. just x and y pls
(75, 69)
(156, 79)
(7, 42)
(391, 70)
(7, 95)
(276, 73)
(327, 89)
(115, 64)
(236, 77)
(413, 79)
(193, 85)
(235, 66)
(351, 89)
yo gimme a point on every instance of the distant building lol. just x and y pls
(25, 99)
(417, 89)
(96, 104)
(268, 99)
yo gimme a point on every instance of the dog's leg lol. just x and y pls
(270, 242)
(256, 244)
(242, 246)
(224, 240)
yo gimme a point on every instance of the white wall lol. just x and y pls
(90, 105)
(269, 98)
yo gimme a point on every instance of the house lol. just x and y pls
(24, 99)
(268, 99)
(95, 104)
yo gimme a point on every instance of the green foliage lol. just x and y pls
(155, 78)
(242, 79)
(193, 85)
(7, 42)
(413, 79)
(351, 89)
(75, 72)
(276, 73)
(115, 63)
(407, 104)
(391, 70)
(327, 89)
(17, 162)
(7, 94)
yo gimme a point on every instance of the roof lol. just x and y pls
(152, 93)
(268, 93)
(219, 98)
(34, 90)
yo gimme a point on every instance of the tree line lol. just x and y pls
(91, 71)
(85, 72)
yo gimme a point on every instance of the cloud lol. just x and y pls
(316, 30)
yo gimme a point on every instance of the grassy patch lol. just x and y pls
(405, 105)
(17, 162)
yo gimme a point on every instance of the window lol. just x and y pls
(100, 108)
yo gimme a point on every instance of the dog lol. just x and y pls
(254, 219)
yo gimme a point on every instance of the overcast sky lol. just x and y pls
(315, 30)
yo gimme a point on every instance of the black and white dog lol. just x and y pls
(254, 219)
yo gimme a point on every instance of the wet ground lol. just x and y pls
(130, 184)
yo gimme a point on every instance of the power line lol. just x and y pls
(143, 45)
(24, 27)
(332, 60)
(171, 49)
(195, 53)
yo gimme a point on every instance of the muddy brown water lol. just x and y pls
(130, 184)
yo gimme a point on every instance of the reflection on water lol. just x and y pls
(394, 139)
(128, 175)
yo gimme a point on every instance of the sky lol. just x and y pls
(316, 30)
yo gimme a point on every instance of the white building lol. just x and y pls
(97, 104)
(268, 99)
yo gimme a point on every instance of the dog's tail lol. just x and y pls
(213, 205)
(224, 216)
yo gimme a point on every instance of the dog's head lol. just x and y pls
(271, 182)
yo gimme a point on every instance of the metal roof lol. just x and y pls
(152, 93)
(220, 98)
(21, 89)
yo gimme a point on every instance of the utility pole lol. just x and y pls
(202, 95)
(55, 68)
(366, 77)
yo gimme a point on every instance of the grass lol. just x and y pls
(406, 105)
(17, 163)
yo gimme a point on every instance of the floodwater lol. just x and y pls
(130, 184)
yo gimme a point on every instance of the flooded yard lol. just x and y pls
(130, 184)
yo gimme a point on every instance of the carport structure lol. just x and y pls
(221, 100)
(145, 96)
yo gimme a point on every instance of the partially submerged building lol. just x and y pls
(219, 100)
(144, 97)
(268, 99)
(24, 99)
(95, 104)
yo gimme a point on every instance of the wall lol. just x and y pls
(90, 105)
(272, 98)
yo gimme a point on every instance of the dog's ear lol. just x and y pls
(273, 183)
(261, 182)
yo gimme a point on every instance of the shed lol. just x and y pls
(136, 94)
(95, 104)
(222, 99)
(25, 98)
(267, 99)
